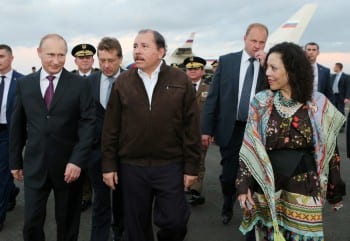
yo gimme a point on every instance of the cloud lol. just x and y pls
(219, 25)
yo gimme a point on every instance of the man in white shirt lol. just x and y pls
(8, 83)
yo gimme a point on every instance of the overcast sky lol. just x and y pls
(219, 24)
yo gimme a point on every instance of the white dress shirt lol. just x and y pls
(44, 82)
(150, 82)
(7, 81)
(243, 69)
(104, 88)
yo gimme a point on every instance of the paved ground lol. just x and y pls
(205, 223)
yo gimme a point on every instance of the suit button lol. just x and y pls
(48, 117)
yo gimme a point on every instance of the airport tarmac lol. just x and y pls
(205, 222)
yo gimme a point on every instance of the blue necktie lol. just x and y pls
(245, 95)
(2, 85)
(111, 81)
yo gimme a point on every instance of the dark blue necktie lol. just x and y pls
(245, 94)
(2, 85)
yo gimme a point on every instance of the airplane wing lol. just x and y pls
(294, 27)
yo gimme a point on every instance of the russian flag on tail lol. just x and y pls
(290, 25)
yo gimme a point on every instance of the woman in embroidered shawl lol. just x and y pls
(288, 160)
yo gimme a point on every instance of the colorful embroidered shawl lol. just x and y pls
(326, 122)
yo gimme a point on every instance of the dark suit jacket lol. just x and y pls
(95, 80)
(11, 96)
(324, 82)
(220, 110)
(343, 85)
(55, 137)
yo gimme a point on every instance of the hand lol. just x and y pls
(110, 178)
(206, 140)
(246, 200)
(72, 173)
(260, 56)
(189, 180)
(17, 174)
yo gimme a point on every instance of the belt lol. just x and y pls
(3, 127)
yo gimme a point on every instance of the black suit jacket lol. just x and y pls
(343, 85)
(63, 134)
(220, 109)
(324, 82)
(95, 82)
(11, 95)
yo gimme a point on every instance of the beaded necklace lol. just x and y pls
(285, 108)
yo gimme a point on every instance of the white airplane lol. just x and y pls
(290, 31)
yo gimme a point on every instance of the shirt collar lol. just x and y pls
(155, 72)
(105, 77)
(245, 56)
(8, 75)
(44, 74)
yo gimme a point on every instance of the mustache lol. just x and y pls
(138, 58)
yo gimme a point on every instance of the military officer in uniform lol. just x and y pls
(84, 59)
(195, 72)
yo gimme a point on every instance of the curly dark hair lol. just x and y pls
(299, 70)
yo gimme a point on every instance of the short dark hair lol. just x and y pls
(313, 44)
(340, 65)
(6, 47)
(158, 38)
(108, 44)
(299, 70)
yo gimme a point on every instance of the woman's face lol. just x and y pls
(276, 73)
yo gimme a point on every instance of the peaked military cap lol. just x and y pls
(194, 62)
(215, 63)
(81, 50)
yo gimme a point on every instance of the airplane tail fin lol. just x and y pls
(179, 54)
(294, 27)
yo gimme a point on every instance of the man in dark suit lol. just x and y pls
(226, 107)
(341, 87)
(322, 82)
(110, 56)
(195, 70)
(84, 59)
(8, 82)
(54, 117)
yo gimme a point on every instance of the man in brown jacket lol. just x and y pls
(151, 141)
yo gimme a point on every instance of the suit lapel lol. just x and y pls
(37, 89)
(12, 90)
(319, 78)
(235, 64)
(59, 90)
(96, 86)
